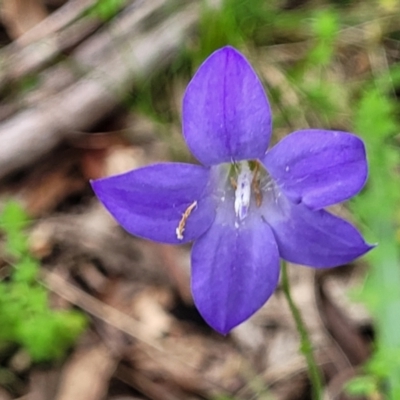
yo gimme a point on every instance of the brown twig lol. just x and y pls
(31, 133)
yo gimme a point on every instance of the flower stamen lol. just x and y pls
(182, 223)
(255, 185)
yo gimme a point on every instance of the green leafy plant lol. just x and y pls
(105, 9)
(25, 316)
(375, 118)
(362, 386)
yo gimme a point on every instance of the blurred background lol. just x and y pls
(91, 88)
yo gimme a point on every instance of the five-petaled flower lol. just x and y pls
(245, 206)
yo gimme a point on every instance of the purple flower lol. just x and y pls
(245, 206)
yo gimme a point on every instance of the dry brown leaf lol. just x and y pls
(19, 16)
(87, 374)
(176, 263)
(4, 395)
(148, 309)
(43, 384)
(54, 180)
(97, 308)
(58, 21)
(343, 330)
(161, 390)
(125, 398)
(205, 365)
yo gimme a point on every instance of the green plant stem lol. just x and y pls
(305, 342)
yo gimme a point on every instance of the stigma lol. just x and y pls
(243, 190)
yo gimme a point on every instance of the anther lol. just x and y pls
(255, 185)
(182, 223)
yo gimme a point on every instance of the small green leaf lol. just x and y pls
(26, 270)
(13, 216)
(16, 243)
(361, 386)
(325, 24)
(26, 318)
(105, 9)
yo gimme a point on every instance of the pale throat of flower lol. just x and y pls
(245, 178)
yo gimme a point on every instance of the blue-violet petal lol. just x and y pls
(226, 114)
(150, 202)
(318, 167)
(235, 269)
(314, 238)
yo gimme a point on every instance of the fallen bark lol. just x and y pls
(46, 40)
(31, 133)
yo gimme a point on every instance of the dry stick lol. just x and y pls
(19, 16)
(87, 374)
(88, 56)
(49, 39)
(95, 307)
(109, 315)
(41, 44)
(56, 21)
(117, 37)
(30, 134)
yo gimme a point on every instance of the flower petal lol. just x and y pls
(234, 271)
(317, 167)
(226, 114)
(149, 202)
(314, 238)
